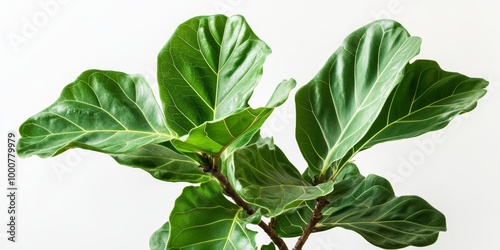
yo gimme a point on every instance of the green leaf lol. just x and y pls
(336, 108)
(264, 177)
(426, 99)
(292, 223)
(164, 164)
(370, 208)
(159, 239)
(105, 111)
(208, 70)
(269, 246)
(203, 218)
(214, 137)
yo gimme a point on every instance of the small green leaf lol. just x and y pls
(369, 207)
(336, 108)
(426, 99)
(269, 246)
(293, 223)
(164, 164)
(203, 218)
(264, 177)
(208, 70)
(159, 239)
(235, 130)
(105, 111)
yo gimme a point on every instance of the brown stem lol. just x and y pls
(229, 191)
(316, 217)
(278, 241)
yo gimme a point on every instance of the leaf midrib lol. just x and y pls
(362, 106)
(104, 131)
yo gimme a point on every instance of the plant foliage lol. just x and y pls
(371, 90)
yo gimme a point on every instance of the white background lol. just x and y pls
(84, 200)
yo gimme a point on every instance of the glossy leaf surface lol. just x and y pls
(159, 239)
(335, 109)
(369, 207)
(203, 218)
(426, 99)
(164, 164)
(263, 176)
(208, 70)
(105, 111)
(214, 137)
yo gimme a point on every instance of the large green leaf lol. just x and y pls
(208, 70)
(159, 239)
(105, 111)
(369, 207)
(336, 108)
(426, 99)
(236, 129)
(203, 218)
(263, 176)
(164, 164)
(372, 210)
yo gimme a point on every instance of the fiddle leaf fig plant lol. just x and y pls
(371, 90)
